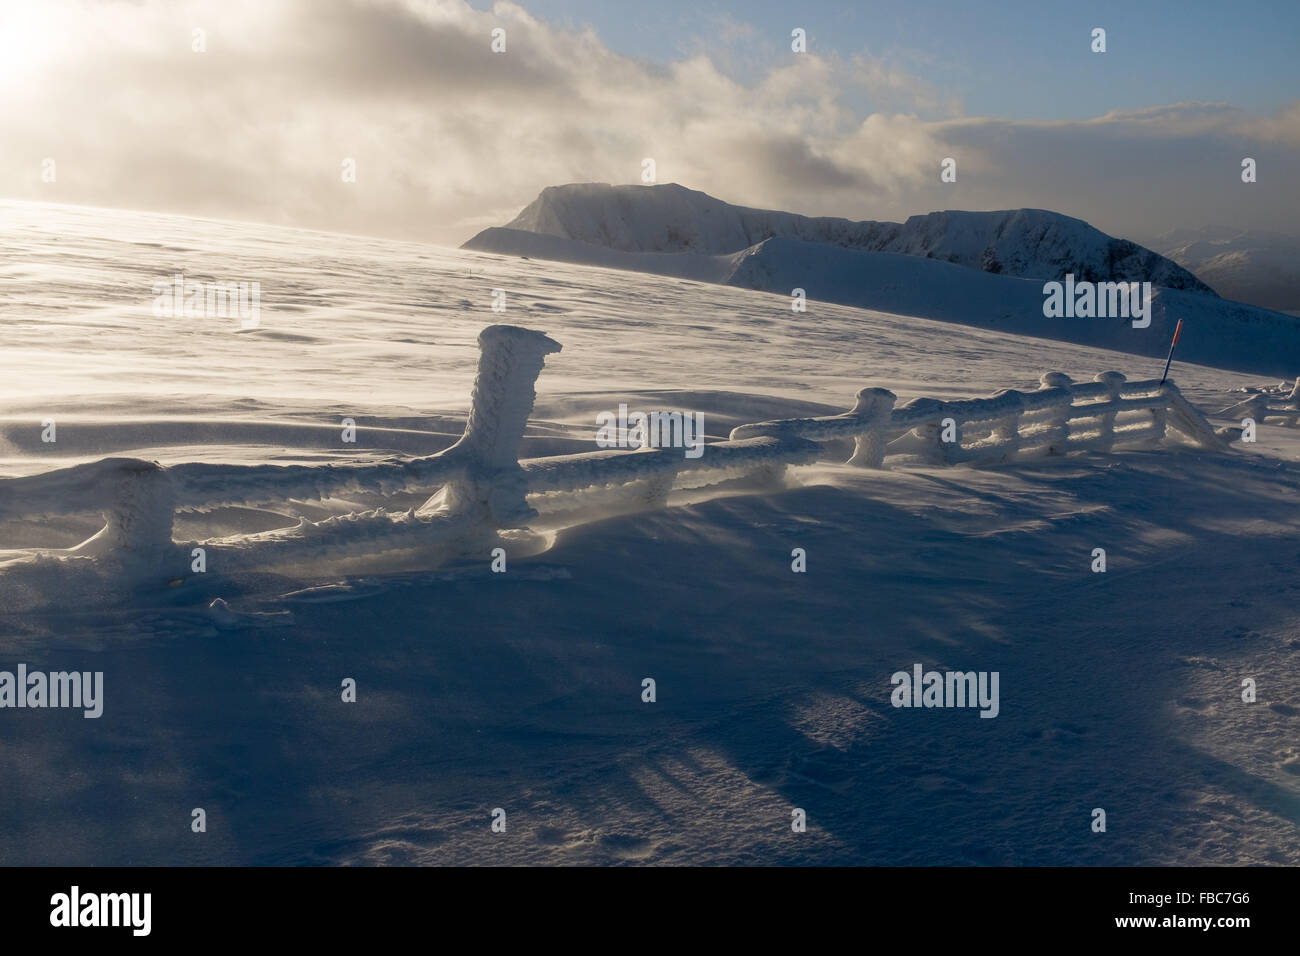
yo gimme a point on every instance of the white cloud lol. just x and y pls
(447, 134)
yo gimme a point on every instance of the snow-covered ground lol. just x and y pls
(523, 690)
(984, 269)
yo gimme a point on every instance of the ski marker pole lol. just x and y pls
(1177, 330)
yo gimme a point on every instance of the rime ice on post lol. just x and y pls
(1006, 430)
(1188, 419)
(927, 437)
(1057, 433)
(1114, 383)
(1159, 422)
(510, 360)
(873, 408)
(867, 423)
(1292, 403)
(484, 486)
(138, 529)
(1255, 407)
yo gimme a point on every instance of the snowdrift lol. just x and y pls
(479, 486)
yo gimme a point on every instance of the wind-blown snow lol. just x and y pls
(1216, 331)
(522, 689)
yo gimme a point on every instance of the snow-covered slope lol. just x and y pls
(522, 690)
(1261, 268)
(1033, 243)
(536, 245)
(1216, 332)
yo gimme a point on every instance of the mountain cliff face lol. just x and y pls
(1030, 243)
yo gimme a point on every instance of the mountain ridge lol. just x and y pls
(1219, 332)
(1254, 266)
(670, 218)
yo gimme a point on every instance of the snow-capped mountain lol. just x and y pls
(1031, 243)
(1262, 268)
(979, 269)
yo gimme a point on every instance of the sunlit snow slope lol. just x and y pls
(522, 690)
(985, 269)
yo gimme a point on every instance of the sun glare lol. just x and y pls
(26, 39)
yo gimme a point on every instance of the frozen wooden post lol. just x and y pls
(925, 439)
(942, 452)
(1255, 407)
(1160, 416)
(1187, 419)
(137, 533)
(873, 408)
(1006, 430)
(494, 487)
(1057, 432)
(1293, 402)
(1114, 383)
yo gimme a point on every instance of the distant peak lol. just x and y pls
(672, 218)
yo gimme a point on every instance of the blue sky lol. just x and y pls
(1010, 59)
(448, 136)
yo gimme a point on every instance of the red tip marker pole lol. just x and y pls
(1178, 329)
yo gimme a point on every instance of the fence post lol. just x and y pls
(1114, 382)
(945, 452)
(137, 534)
(927, 438)
(1188, 419)
(873, 407)
(1160, 415)
(1257, 407)
(494, 487)
(1292, 402)
(1057, 432)
(1006, 431)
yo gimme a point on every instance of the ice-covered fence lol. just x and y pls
(479, 485)
(475, 488)
(650, 475)
(1259, 409)
(478, 481)
(1060, 416)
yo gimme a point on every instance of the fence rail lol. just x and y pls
(1005, 425)
(479, 485)
(1259, 409)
